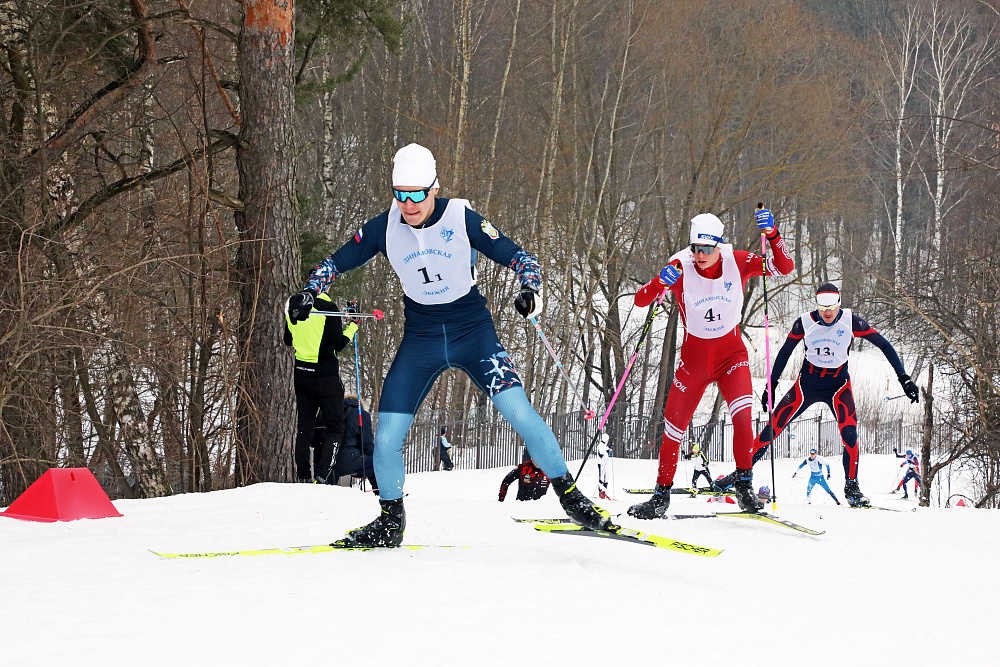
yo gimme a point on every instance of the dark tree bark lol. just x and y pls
(268, 255)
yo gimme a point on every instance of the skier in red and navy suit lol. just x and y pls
(707, 279)
(827, 334)
(912, 472)
(531, 481)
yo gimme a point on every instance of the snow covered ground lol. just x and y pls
(916, 587)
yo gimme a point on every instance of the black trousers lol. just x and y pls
(325, 395)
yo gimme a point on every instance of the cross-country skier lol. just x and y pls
(827, 333)
(912, 464)
(700, 467)
(816, 465)
(432, 245)
(707, 279)
(531, 481)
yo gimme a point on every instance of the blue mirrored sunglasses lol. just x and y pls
(416, 196)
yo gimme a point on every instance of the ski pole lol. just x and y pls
(599, 433)
(357, 385)
(587, 412)
(376, 314)
(767, 380)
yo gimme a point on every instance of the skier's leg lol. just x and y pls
(791, 405)
(809, 487)
(842, 404)
(734, 383)
(688, 387)
(478, 352)
(418, 362)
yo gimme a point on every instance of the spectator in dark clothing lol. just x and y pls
(357, 445)
(531, 481)
(317, 386)
(445, 446)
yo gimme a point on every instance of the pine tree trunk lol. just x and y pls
(268, 253)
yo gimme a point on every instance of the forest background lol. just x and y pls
(170, 171)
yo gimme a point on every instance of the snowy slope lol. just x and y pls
(917, 587)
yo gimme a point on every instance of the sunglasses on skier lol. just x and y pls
(703, 249)
(416, 196)
(828, 301)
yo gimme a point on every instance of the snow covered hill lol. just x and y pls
(911, 586)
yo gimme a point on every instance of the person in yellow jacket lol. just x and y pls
(318, 388)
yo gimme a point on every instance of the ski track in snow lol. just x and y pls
(877, 587)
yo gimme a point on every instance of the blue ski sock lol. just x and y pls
(388, 462)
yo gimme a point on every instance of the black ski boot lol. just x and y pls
(579, 507)
(655, 507)
(745, 495)
(724, 483)
(853, 494)
(385, 531)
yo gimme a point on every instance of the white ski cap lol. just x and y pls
(827, 295)
(414, 167)
(706, 229)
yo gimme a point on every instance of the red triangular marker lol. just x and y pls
(62, 494)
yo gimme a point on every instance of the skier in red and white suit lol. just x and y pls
(707, 280)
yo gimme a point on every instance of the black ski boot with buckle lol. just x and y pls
(579, 507)
(655, 507)
(745, 495)
(853, 494)
(385, 531)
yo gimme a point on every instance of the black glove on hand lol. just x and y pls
(352, 308)
(300, 304)
(763, 399)
(909, 388)
(528, 303)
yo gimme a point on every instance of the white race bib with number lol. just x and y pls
(828, 346)
(713, 307)
(434, 264)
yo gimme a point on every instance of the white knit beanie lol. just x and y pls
(414, 167)
(706, 229)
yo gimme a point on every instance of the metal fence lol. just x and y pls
(481, 438)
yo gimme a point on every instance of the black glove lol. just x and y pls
(300, 304)
(909, 388)
(828, 475)
(528, 303)
(352, 307)
(763, 399)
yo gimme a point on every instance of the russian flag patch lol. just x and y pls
(357, 237)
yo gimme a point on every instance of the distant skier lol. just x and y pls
(700, 467)
(816, 465)
(707, 279)
(532, 483)
(828, 333)
(432, 245)
(912, 471)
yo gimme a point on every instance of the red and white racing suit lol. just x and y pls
(711, 306)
